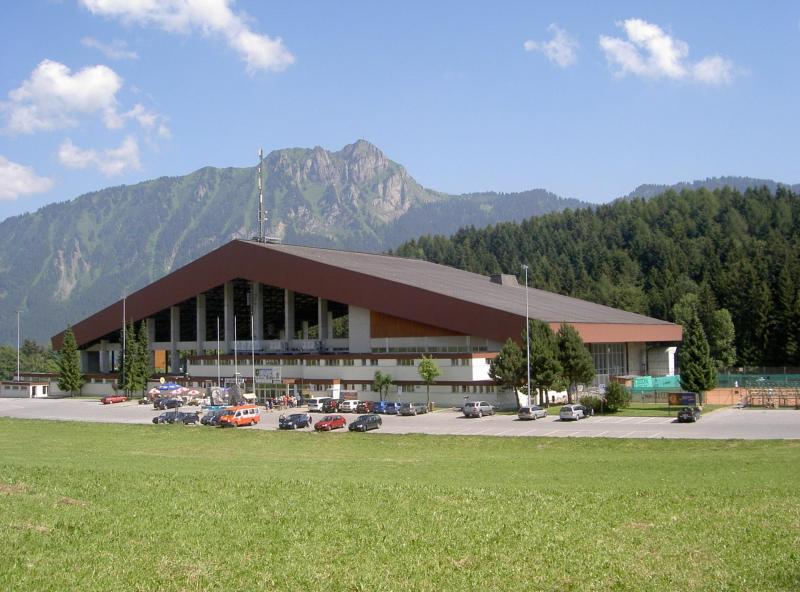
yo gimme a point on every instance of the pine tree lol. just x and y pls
(507, 368)
(142, 366)
(577, 365)
(722, 339)
(428, 372)
(129, 363)
(697, 368)
(545, 368)
(69, 365)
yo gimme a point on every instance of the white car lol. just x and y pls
(575, 412)
(317, 403)
(348, 406)
(477, 409)
(534, 412)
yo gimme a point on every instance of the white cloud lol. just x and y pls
(17, 180)
(53, 96)
(113, 161)
(561, 49)
(651, 53)
(259, 52)
(116, 50)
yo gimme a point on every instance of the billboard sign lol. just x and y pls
(683, 399)
(268, 375)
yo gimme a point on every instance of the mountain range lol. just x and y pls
(70, 259)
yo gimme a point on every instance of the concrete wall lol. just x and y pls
(359, 330)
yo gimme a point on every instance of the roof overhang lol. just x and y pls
(281, 267)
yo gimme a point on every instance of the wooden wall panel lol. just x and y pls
(383, 325)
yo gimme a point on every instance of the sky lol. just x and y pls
(587, 100)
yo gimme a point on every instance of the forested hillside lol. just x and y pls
(737, 251)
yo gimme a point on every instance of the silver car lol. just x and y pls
(477, 409)
(575, 412)
(534, 412)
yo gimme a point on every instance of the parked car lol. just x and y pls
(294, 421)
(534, 412)
(348, 406)
(185, 417)
(380, 406)
(366, 407)
(110, 399)
(569, 412)
(316, 404)
(240, 415)
(330, 422)
(330, 406)
(689, 414)
(477, 409)
(412, 408)
(212, 417)
(168, 403)
(362, 423)
(164, 417)
(392, 408)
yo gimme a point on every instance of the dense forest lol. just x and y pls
(733, 250)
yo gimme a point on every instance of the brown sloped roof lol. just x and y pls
(407, 288)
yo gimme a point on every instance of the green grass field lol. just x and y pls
(115, 507)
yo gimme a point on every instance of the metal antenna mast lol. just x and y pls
(262, 218)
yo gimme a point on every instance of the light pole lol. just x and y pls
(17, 346)
(527, 337)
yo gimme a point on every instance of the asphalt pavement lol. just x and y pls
(746, 424)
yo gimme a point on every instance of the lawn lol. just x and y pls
(123, 507)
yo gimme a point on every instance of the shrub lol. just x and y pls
(617, 397)
(591, 402)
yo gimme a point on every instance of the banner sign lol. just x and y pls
(267, 375)
(683, 399)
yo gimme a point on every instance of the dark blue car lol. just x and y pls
(387, 407)
(294, 421)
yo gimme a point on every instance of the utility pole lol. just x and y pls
(262, 218)
(18, 347)
(528, 337)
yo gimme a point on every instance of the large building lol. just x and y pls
(309, 320)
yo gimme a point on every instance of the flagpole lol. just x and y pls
(218, 377)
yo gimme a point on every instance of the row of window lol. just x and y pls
(318, 362)
(406, 388)
(451, 349)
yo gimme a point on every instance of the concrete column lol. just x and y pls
(104, 354)
(201, 323)
(322, 320)
(84, 356)
(175, 335)
(227, 346)
(257, 308)
(288, 315)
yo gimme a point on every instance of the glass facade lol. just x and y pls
(609, 358)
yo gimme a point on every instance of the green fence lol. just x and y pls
(662, 385)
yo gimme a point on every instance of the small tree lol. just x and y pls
(381, 382)
(617, 397)
(697, 368)
(142, 365)
(577, 366)
(428, 372)
(507, 368)
(70, 377)
(130, 360)
(545, 368)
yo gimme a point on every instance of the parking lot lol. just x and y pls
(747, 424)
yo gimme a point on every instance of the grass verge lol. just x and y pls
(121, 507)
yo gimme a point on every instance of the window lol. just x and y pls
(405, 362)
(312, 362)
(373, 362)
(407, 388)
(609, 358)
(454, 389)
(348, 362)
(460, 361)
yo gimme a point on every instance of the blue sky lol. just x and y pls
(586, 101)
